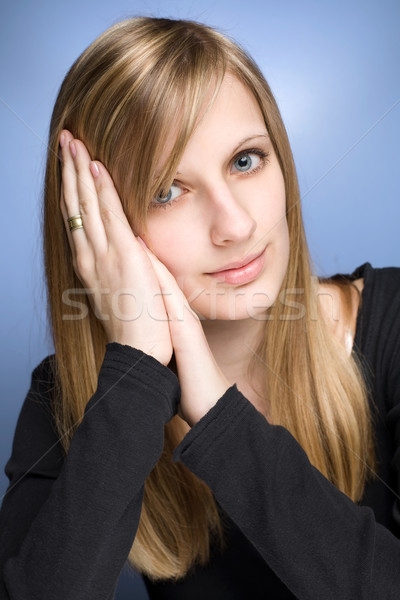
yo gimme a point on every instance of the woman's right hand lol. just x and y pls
(108, 259)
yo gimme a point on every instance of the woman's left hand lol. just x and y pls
(201, 380)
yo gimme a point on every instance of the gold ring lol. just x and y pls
(75, 222)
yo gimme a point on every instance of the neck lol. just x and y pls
(232, 344)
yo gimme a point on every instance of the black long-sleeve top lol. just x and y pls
(67, 524)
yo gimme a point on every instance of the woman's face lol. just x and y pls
(226, 205)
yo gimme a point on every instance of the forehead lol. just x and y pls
(233, 100)
(232, 116)
(226, 117)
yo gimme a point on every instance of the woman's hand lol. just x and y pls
(201, 381)
(109, 261)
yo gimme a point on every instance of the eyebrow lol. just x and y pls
(244, 141)
(248, 139)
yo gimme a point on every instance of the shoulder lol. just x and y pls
(366, 300)
(46, 369)
(43, 387)
(375, 322)
(36, 446)
(380, 316)
(340, 304)
(379, 334)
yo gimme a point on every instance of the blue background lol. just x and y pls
(334, 68)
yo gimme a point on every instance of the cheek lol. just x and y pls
(168, 242)
(269, 198)
(278, 196)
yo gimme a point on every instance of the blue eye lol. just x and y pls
(247, 162)
(173, 193)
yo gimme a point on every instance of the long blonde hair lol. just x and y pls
(120, 98)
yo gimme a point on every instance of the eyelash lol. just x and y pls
(264, 156)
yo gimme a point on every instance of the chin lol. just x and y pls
(237, 303)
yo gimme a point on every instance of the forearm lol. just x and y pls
(317, 541)
(80, 539)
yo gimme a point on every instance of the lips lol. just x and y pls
(242, 271)
(238, 263)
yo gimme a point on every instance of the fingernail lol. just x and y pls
(94, 169)
(72, 148)
(62, 140)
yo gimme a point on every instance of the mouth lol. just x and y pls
(242, 271)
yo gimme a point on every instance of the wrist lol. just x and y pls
(191, 417)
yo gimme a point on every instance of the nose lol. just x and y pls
(230, 219)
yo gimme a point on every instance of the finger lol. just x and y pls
(177, 306)
(196, 365)
(69, 233)
(88, 200)
(118, 230)
(70, 196)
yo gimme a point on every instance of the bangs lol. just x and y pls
(185, 103)
(137, 94)
(166, 105)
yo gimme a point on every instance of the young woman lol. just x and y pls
(214, 413)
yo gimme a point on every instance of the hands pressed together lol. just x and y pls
(136, 297)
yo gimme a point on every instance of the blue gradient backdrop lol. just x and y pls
(334, 68)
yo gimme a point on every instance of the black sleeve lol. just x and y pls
(317, 541)
(67, 525)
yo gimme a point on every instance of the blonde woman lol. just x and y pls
(214, 413)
